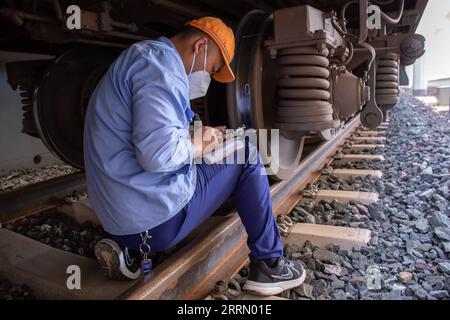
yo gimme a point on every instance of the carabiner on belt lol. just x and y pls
(145, 251)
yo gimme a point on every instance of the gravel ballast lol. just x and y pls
(10, 291)
(408, 256)
(60, 231)
(23, 177)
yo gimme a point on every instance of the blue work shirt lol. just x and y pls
(139, 158)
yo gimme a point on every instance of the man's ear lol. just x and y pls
(200, 43)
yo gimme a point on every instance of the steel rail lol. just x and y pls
(39, 197)
(193, 272)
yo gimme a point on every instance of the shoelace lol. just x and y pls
(288, 269)
(289, 264)
(286, 261)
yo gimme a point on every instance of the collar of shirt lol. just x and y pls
(188, 111)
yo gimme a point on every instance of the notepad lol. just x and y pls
(229, 146)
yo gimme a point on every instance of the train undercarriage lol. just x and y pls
(303, 67)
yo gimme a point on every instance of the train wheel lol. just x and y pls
(252, 98)
(61, 97)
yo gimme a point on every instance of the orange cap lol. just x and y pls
(223, 36)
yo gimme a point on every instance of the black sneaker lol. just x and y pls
(118, 264)
(265, 281)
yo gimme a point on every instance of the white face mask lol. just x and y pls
(199, 81)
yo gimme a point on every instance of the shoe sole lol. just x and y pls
(111, 261)
(272, 289)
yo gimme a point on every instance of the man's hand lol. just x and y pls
(207, 140)
(221, 129)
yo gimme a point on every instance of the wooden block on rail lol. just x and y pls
(346, 196)
(81, 211)
(376, 139)
(348, 173)
(323, 235)
(360, 157)
(365, 146)
(372, 133)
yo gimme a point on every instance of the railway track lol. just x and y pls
(39, 197)
(216, 252)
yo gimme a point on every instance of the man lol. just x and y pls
(139, 158)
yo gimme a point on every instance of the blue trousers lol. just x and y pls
(215, 184)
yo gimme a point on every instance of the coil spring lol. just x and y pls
(28, 123)
(303, 91)
(387, 89)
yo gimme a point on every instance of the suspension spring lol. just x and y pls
(387, 89)
(303, 91)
